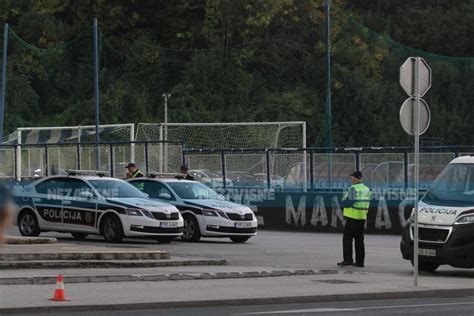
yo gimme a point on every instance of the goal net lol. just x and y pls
(250, 137)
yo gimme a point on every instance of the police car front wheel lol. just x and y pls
(427, 266)
(28, 224)
(191, 229)
(79, 235)
(239, 239)
(111, 228)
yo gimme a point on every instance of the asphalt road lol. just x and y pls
(425, 306)
(286, 250)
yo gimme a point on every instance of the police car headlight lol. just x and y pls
(468, 219)
(133, 212)
(209, 213)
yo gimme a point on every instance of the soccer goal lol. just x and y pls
(237, 135)
(62, 151)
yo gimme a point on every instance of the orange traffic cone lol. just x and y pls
(59, 293)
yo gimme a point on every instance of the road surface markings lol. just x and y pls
(354, 309)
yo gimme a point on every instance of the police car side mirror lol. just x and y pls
(165, 196)
(221, 197)
(86, 195)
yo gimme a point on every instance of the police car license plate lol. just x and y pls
(243, 225)
(427, 252)
(169, 225)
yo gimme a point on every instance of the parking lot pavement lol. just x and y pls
(282, 250)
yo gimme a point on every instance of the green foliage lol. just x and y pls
(248, 60)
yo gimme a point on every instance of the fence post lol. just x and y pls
(223, 168)
(18, 156)
(267, 162)
(46, 160)
(147, 170)
(4, 80)
(111, 155)
(183, 157)
(405, 168)
(357, 161)
(311, 170)
(16, 166)
(78, 156)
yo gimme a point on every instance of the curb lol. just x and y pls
(88, 264)
(16, 240)
(251, 301)
(163, 277)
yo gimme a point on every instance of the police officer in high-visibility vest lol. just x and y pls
(356, 206)
(133, 171)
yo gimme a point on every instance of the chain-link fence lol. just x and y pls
(35, 161)
(315, 168)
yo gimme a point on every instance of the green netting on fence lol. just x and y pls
(277, 78)
(366, 81)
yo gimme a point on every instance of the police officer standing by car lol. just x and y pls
(133, 171)
(183, 174)
(356, 206)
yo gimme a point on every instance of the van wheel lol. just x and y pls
(28, 224)
(191, 233)
(111, 228)
(426, 266)
(79, 235)
(165, 240)
(239, 239)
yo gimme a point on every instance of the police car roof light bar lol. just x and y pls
(99, 173)
(161, 175)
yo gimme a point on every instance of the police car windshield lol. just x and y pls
(453, 187)
(193, 191)
(116, 189)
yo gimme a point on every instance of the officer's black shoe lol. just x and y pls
(358, 265)
(344, 263)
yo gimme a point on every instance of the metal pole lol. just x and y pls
(96, 90)
(417, 164)
(166, 96)
(4, 80)
(328, 124)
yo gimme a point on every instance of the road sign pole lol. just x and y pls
(416, 116)
(415, 79)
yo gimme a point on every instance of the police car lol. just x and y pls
(446, 220)
(205, 212)
(83, 205)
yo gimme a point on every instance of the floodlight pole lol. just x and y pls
(4, 80)
(96, 91)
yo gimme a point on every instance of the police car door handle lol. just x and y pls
(67, 202)
(37, 200)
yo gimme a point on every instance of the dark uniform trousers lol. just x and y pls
(354, 230)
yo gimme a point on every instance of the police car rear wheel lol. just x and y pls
(112, 229)
(239, 239)
(79, 235)
(28, 224)
(191, 229)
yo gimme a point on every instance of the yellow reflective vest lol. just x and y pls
(361, 200)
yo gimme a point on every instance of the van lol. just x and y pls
(446, 220)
